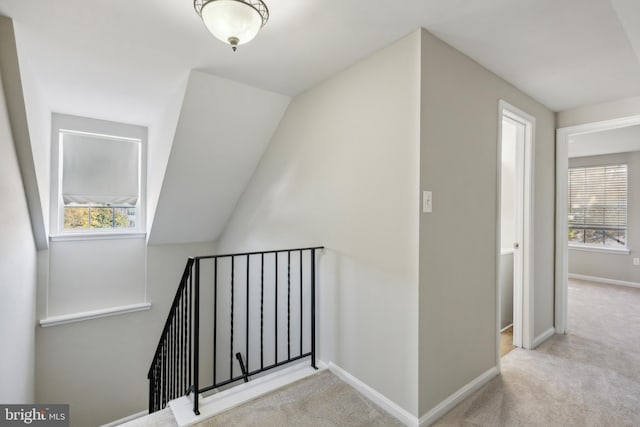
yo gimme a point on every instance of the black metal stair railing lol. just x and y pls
(260, 310)
(171, 372)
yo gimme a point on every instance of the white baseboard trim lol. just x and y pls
(126, 419)
(378, 398)
(604, 280)
(543, 337)
(506, 327)
(457, 397)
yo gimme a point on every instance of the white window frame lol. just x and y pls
(62, 123)
(623, 250)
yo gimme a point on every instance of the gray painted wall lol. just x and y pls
(458, 278)
(17, 275)
(342, 171)
(99, 366)
(96, 274)
(614, 266)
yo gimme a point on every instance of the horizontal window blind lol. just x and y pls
(598, 197)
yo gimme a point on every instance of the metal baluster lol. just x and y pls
(176, 393)
(151, 407)
(190, 289)
(178, 349)
(154, 403)
(246, 354)
(164, 374)
(313, 308)
(276, 312)
(196, 339)
(157, 396)
(215, 316)
(170, 359)
(301, 306)
(288, 304)
(185, 380)
(231, 343)
(262, 311)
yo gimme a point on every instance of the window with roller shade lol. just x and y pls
(597, 208)
(100, 182)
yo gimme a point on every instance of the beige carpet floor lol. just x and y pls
(322, 400)
(590, 377)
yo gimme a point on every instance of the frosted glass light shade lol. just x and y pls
(232, 21)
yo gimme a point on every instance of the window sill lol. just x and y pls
(96, 236)
(95, 314)
(615, 251)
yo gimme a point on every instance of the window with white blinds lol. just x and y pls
(98, 178)
(100, 181)
(598, 206)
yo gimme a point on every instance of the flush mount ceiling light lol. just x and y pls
(234, 22)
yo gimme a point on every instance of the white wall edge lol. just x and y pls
(378, 398)
(450, 402)
(126, 419)
(605, 281)
(95, 314)
(543, 337)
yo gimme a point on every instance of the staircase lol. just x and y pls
(235, 317)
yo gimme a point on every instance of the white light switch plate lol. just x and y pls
(427, 202)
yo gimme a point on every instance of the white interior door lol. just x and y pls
(516, 215)
(518, 140)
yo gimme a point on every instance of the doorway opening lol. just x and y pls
(597, 157)
(515, 230)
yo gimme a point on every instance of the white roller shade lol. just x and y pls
(99, 170)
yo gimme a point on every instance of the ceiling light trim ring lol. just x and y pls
(258, 5)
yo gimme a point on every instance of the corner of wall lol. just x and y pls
(19, 124)
(160, 138)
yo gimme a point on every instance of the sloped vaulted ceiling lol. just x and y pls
(223, 129)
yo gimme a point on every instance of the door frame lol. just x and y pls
(523, 321)
(562, 177)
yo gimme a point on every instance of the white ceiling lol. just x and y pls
(121, 59)
(620, 140)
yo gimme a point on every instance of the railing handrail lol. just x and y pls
(257, 252)
(167, 323)
(169, 375)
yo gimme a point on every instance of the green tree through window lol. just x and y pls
(101, 217)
